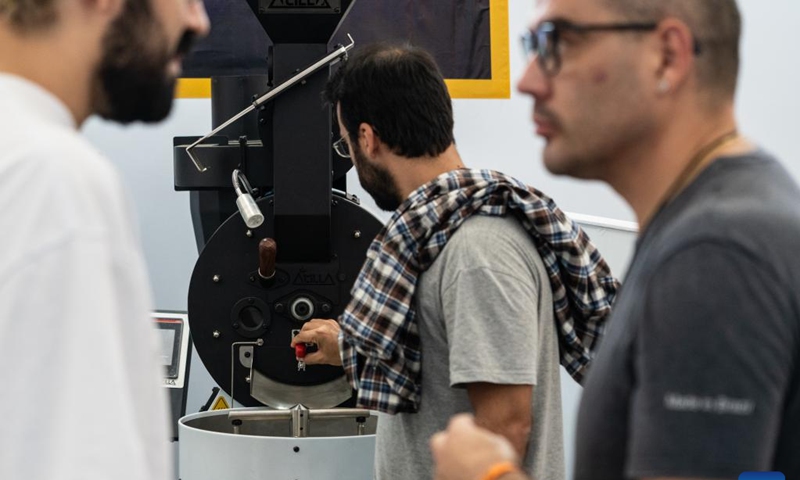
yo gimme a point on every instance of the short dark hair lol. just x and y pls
(28, 15)
(717, 26)
(400, 92)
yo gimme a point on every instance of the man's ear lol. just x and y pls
(368, 138)
(676, 50)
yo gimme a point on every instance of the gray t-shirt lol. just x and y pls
(485, 313)
(698, 374)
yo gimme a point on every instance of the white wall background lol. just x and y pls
(490, 134)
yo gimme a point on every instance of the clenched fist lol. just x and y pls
(467, 452)
(325, 334)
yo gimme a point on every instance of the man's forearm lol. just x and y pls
(504, 410)
(515, 430)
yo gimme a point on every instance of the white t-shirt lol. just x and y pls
(79, 381)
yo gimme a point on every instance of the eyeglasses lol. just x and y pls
(543, 42)
(341, 148)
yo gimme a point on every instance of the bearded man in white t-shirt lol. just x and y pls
(77, 350)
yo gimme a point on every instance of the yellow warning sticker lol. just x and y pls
(220, 404)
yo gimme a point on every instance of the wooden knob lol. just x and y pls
(267, 253)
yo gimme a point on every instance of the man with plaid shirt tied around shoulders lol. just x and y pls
(473, 293)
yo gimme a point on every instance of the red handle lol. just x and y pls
(300, 350)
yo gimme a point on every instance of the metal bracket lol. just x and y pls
(257, 343)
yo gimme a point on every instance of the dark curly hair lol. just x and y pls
(400, 92)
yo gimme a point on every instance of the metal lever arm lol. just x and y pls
(329, 59)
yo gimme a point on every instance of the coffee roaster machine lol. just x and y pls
(281, 242)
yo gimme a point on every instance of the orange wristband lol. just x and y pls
(500, 469)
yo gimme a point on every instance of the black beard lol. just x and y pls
(376, 181)
(136, 93)
(132, 79)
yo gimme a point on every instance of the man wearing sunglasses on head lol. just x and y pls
(698, 374)
(471, 295)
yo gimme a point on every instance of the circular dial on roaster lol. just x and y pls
(245, 305)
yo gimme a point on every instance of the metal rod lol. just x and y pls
(602, 222)
(338, 413)
(329, 59)
(258, 415)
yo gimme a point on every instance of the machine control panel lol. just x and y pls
(173, 335)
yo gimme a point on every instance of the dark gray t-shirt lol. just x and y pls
(698, 373)
(485, 314)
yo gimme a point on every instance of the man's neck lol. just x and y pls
(659, 167)
(412, 173)
(49, 60)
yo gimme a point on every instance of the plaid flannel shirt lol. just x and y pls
(379, 327)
